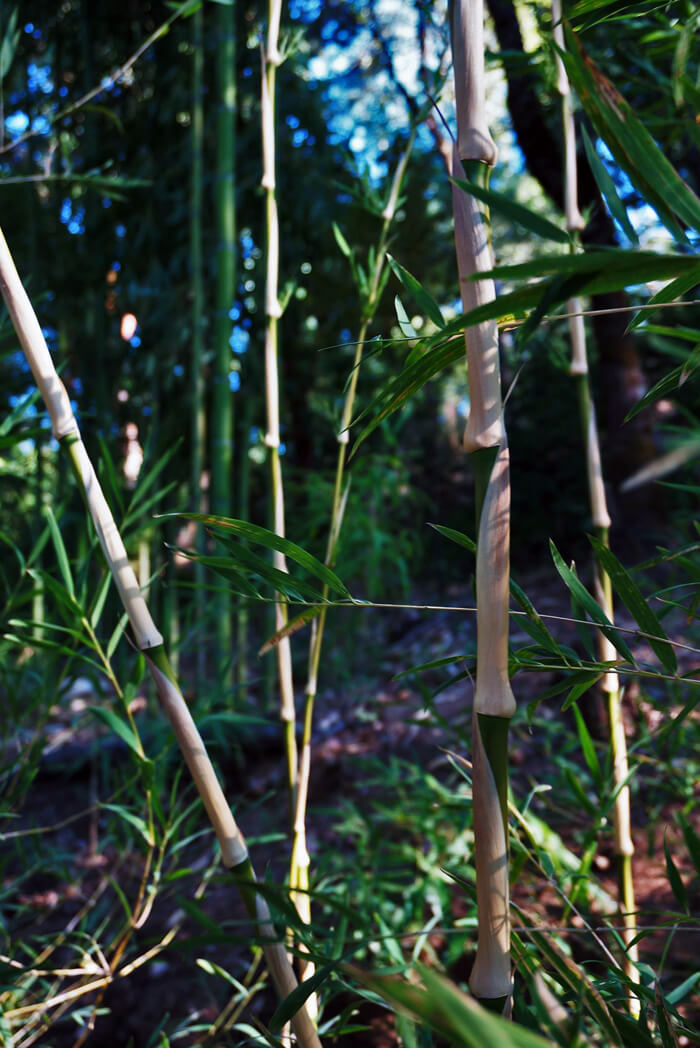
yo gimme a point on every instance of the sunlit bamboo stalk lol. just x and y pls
(486, 440)
(234, 851)
(272, 59)
(624, 847)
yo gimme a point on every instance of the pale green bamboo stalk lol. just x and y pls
(199, 424)
(624, 846)
(225, 201)
(485, 438)
(234, 851)
(300, 860)
(273, 311)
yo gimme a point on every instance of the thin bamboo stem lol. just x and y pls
(624, 847)
(486, 440)
(300, 860)
(234, 851)
(272, 59)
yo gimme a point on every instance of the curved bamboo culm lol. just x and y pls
(486, 440)
(624, 846)
(234, 852)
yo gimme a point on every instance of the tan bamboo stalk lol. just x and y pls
(300, 862)
(272, 59)
(234, 851)
(624, 846)
(486, 440)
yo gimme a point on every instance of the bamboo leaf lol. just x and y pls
(572, 976)
(243, 561)
(622, 268)
(448, 1010)
(293, 626)
(629, 141)
(268, 539)
(403, 319)
(692, 841)
(675, 879)
(588, 749)
(298, 997)
(678, 287)
(608, 190)
(517, 213)
(61, 555)
(134, 820)
(341, 241)
(119, 727)
(667, 385)
(663, 1020)
(630, 595)
(583, 597)
(422, 297)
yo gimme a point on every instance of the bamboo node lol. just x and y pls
(344, 436)
(477, 145)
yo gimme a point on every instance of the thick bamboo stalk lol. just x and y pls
(624, 847)
(225, 207)
(234, 851)
(486, 439)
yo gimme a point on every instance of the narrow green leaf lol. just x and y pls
(677, 287)
(629, 141)
(117, 635)
(135, 820)
(448, 1011)
(580, 688)
(341, 241)
(267, 538)
(517, 213)
(404, 320)
(242, 559)
(584, 598)
(119, 727)
(692, 841)
(61, 555)
(422, 297)
(298, 997)
(666, 386)
(608, 190)
(588, 749)
(293, 626)
(630, 595)
(675, 879)
(686, 987)
(456, 536)
(622, 268)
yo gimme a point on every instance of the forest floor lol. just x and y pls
(372, 718)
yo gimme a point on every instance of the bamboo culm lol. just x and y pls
(624, 847)
(234, 851)
(486, 440)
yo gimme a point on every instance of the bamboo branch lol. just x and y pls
(234, 851)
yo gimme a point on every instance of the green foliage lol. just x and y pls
(390, 928)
